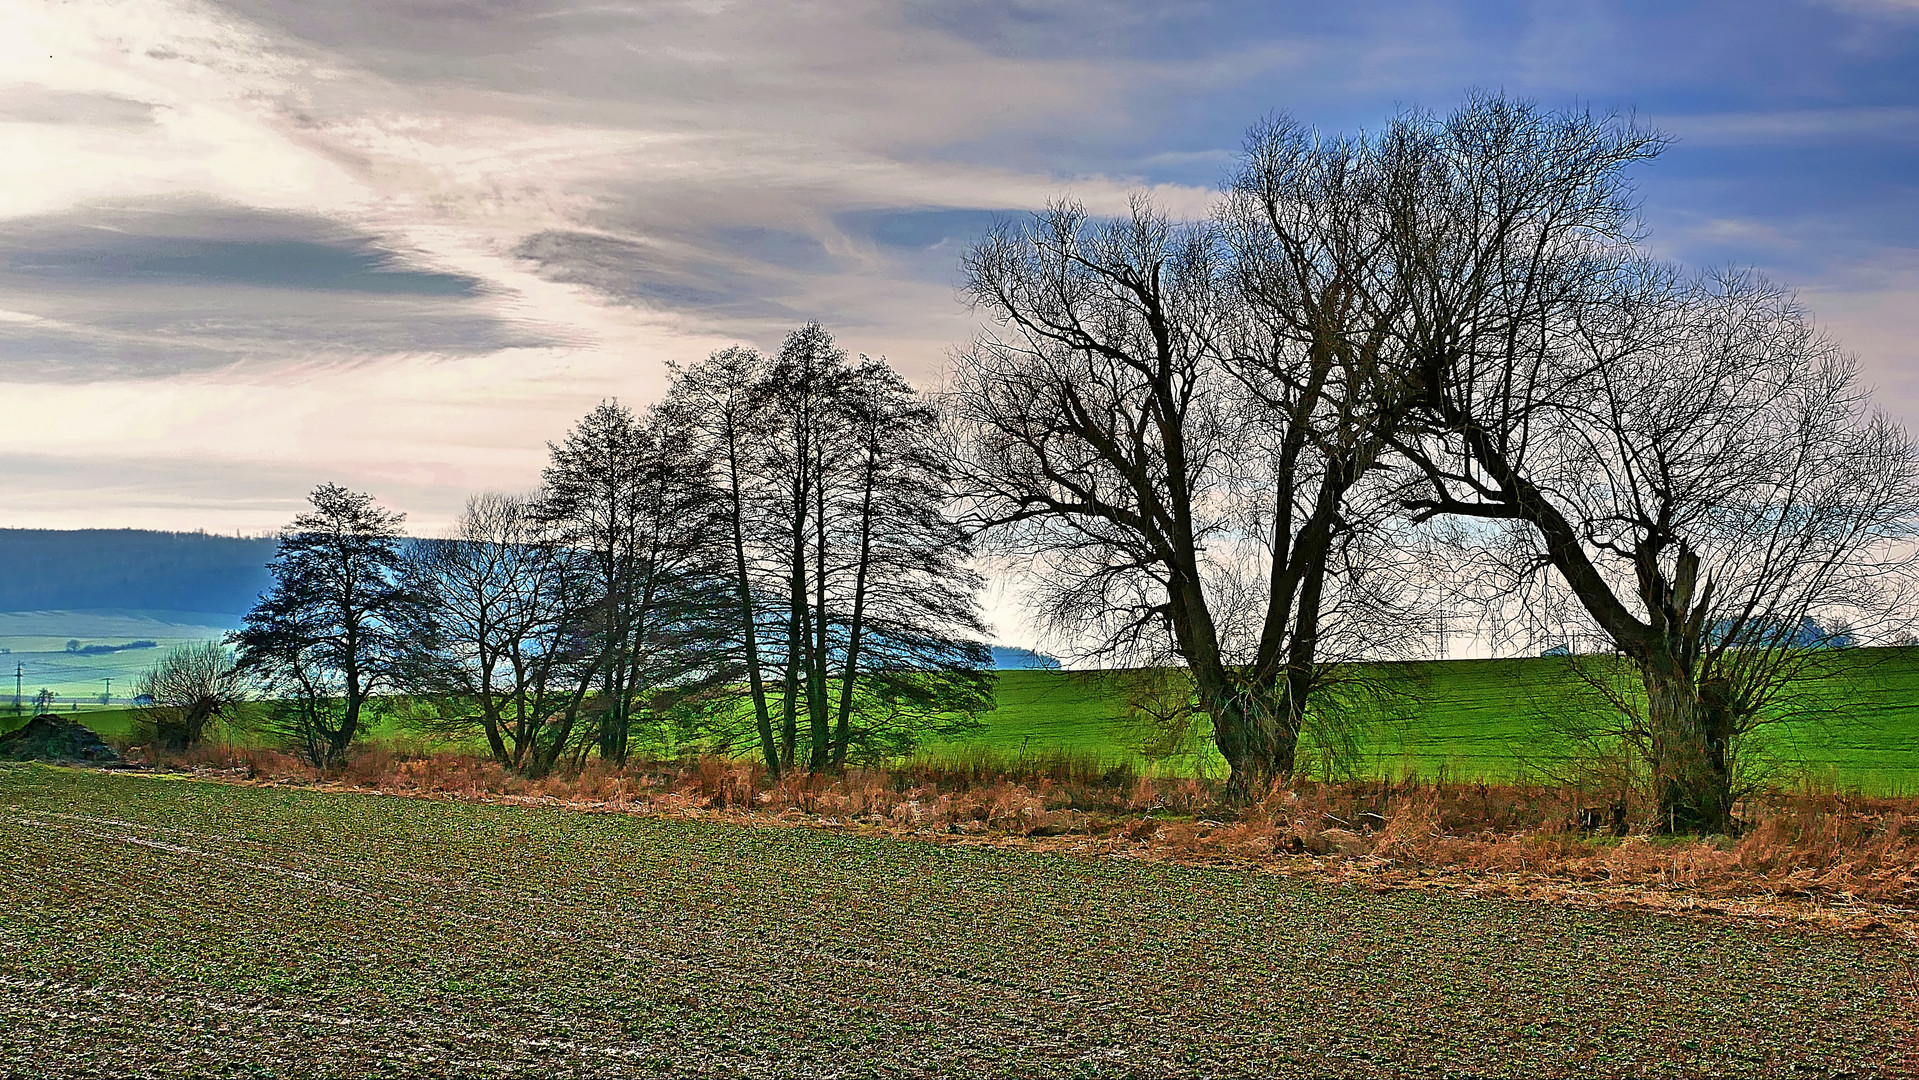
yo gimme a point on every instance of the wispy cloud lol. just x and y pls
(403, 242)
(1802, 127)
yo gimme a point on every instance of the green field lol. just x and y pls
(36, 643)
(1489, 719)
(1463, 719)
(163, 926)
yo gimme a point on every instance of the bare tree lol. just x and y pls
(505, 605)
(1692, 461)
(1180, 465)
(1715, 489)
(189, 688)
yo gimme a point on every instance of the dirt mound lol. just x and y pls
(52, 738)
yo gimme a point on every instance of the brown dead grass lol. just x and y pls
(1838, 858)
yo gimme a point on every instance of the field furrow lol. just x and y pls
(160, 926)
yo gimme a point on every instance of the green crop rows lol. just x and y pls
(157, 926)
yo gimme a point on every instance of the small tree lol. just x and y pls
(506, 605)
(43, 701)
(331, 632)
(190, 687)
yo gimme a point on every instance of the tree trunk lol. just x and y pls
(749, 620)
(796, 638)
(1691, 732)
(1251, 730)
(818, 694)
(856, 626)
(349, 727)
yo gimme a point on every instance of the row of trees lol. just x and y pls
(1397, 372)
(1391, 376)
(763, 559)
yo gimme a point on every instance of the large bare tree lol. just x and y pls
(1710, 483)
(1180, 466)
(1697, 467)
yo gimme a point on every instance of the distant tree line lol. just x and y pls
(764, 559)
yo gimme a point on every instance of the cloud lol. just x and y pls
(1882, 8)
(40, 105)
(1799, 126)
(671, 276)
(188, 242)
(163, 287)
(421, 237)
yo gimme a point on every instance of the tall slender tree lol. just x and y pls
(903, 619)
(848, 580)
(637, 502)
(722, 405)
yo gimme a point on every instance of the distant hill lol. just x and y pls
(79, 569)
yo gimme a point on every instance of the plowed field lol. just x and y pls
(156, 926)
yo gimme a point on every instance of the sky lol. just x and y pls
(250, 246)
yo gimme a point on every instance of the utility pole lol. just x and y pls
(107, 698)
(18, 669)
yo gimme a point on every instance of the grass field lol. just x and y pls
(163, 926)
(1464, 719)
(1489, 719)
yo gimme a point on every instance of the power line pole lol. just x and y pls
(107, 698)
(18, 670)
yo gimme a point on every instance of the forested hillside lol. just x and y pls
(68, 569)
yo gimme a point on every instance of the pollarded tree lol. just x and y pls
(189, 688)
(332, 630)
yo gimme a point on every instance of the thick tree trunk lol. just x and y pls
(342, 738)
(1691, 733)
(1255, 732)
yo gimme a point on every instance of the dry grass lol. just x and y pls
(1808, 847)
